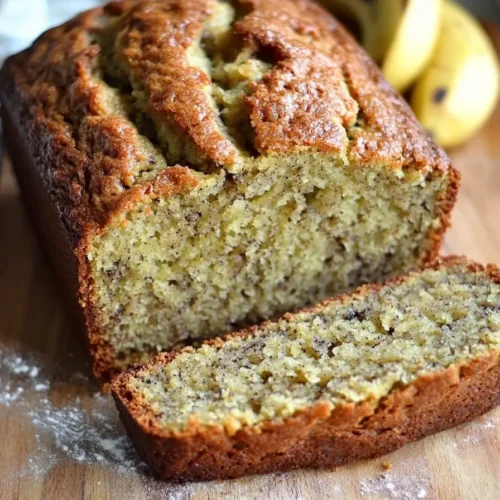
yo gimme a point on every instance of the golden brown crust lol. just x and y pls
(154, 40)
(87, 156)
(323, 93)
(303, 101)
(321, 436)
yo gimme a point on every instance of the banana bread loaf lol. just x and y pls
(198, 165)
(355, 377)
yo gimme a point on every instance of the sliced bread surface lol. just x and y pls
(354, 377)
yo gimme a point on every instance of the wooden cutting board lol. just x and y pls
(54, 422)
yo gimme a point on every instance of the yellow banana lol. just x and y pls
(413, 44)
(458, 91)
(400, 35)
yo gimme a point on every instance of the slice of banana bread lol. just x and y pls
(197, 165)
(354, 377)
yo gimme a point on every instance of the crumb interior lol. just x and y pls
(341, 352)
(294, 231)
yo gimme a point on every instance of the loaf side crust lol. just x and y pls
(320, 436)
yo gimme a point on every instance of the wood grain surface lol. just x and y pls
(461, 463)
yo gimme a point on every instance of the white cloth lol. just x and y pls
(21, 21)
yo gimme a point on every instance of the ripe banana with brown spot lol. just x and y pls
(458, 91)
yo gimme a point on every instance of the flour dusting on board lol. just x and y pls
(84, 428)
(475, 432)
(410, 481)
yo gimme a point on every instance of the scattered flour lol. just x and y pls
(84, 427)
(409, 480)
(475, 432)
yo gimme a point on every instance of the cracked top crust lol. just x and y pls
(139, 97)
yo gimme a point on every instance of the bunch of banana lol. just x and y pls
(438, 48)
(459, 89)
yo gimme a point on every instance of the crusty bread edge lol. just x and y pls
(319, 436)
